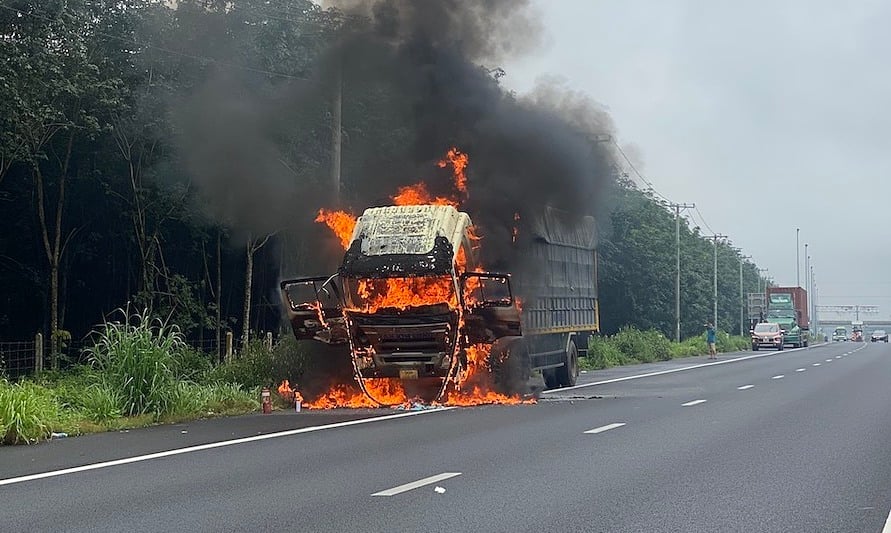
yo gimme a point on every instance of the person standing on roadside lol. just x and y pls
(711, 338)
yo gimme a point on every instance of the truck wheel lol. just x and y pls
(550, 378)
(510, 364)
(567, 374)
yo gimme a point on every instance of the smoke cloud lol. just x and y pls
(417, 77)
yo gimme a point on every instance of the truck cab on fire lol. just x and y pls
(411, 301)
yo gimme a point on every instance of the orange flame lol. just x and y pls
(341, 222)
(458, 160)
(388, 391)
(418, 194)
(402, 293)
(474, 386)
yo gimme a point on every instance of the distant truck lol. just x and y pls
(857, 330)
(410, 298)
(787, 306)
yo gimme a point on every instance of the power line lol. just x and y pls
(702, 218)
(637, 172)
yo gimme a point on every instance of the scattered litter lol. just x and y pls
(414, 406)
(584, 372)
(55, 435)
(439, 490)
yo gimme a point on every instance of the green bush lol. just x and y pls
(224, 397)
(256, 366)
(83, 391)
(192, 364)
(137, 358)
(28, 412)
(644, 346)
(732, 343)
(603, 353)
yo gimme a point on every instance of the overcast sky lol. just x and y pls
(769, 116)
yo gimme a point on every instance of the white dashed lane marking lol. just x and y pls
(416, 484)
(607, 427)
(744, 387)
(694, 402)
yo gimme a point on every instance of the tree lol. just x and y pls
(253, 245)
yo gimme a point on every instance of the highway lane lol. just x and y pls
(801, 452)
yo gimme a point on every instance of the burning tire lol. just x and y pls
(511, 365)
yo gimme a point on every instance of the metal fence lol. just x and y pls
(20, 359)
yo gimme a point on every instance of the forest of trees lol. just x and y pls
(113, 114)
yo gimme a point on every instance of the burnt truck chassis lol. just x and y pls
(425, 343)
(431, 341)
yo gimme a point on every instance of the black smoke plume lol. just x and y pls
(417, 77)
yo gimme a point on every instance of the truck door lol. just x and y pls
(490, 311)
(315, 308)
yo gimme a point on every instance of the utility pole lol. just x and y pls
(677, 280)
(742, 305)
(807, 262)
(812, 298)
(715, 238)
(797, 260)
(336, 134)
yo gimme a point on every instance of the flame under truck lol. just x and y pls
(410, 299)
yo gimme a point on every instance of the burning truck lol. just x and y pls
(411, 304)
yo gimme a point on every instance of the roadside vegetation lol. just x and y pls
(633, 346)
(139, 372)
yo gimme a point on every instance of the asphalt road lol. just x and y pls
(791, 441)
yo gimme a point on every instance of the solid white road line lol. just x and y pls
(607, 427)
(212, 445)
(416, 484)
(800, 369)
(744, 387)
(887, 528)
(694, 402)
(673, 370)
(779, 376)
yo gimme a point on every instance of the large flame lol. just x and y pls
(340, 222)
(474, 385)
(402, 293)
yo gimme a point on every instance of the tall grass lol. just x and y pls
(27, 412)
(137, 357)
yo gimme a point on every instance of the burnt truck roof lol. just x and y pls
(562, 228)
(409, 240)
